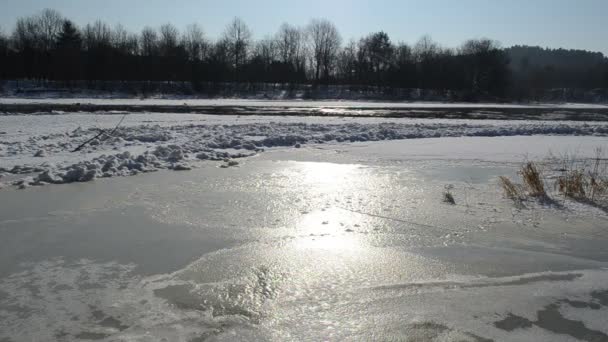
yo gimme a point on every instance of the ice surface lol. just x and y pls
(344, 238)
(333, 242)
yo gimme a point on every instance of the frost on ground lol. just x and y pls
(39, 155)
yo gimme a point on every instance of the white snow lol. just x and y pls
(285, 103)
(40, 146)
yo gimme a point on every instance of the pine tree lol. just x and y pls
(68, 58)
(69, 37)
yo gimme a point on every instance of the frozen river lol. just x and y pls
(327, 242)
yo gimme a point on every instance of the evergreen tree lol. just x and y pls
(69, 37)
(68, 57)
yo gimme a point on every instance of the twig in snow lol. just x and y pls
(119, 122)
(101, 132)
(88, 141)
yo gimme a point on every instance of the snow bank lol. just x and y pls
(137, 148)
(194, 102)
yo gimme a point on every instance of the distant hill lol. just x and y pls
(524, 58)
(533, 67)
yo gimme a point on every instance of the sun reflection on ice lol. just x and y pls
(328, 229)
(327, 226)
(340, 176)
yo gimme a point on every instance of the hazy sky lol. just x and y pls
(581, 24)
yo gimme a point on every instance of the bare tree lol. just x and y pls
(404, 71)
(168, 42)
(290, 45)
(195, 43)
(238, 37)
(403, 54)
(149, 42)
(3, 44)
(266, 51)
(132, 44)
(324, 40)
(26, 34)
(124, 41)
(97, 35)
(347, 62)
(426, 49)
(476, 46)
(38, 32)
(50, 24)
(119, 36)
(220, 52)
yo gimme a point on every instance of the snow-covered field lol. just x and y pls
(41, 149)
(291, 229)
(282, 103)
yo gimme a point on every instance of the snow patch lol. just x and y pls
(138, 147)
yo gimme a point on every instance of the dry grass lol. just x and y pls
(599, 188)
(572, 184)
(585, 179)
(533, 180)
(448, 197)
(511, 190)
(581, 179)
(598, 177)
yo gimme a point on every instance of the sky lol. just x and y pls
(576, 24)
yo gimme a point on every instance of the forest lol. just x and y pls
(49, 47)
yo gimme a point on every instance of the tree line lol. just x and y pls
(538, 68)
(47, 46)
